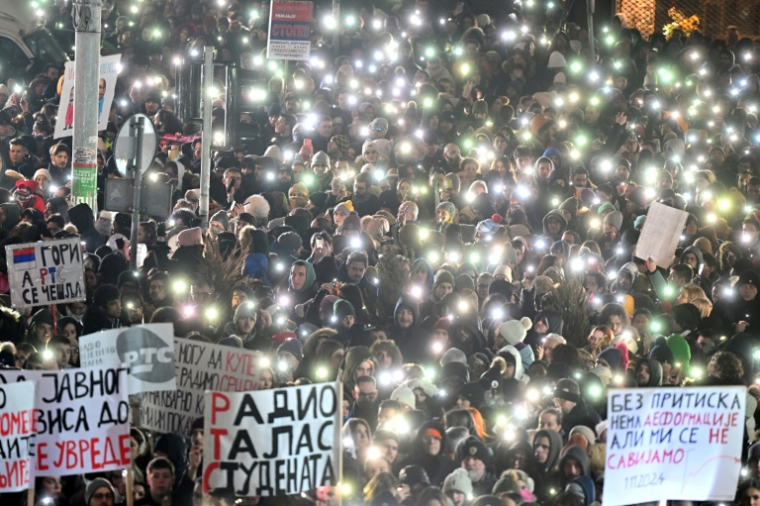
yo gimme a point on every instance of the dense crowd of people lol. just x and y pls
(441, 208)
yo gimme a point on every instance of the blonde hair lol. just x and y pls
(692, 292)
(704, 305)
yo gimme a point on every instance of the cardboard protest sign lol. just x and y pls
(673, 443)
(44, 273)
(17, 434)
(148, 351)
(273, 442)
(198, 367)
(81, 419)
(661, 234)
(109, 72)
(290, 30)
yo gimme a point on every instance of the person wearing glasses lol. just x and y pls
(99, 492)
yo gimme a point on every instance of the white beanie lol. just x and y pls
(560, 78)
(458, 481)
(453, 355)
(556, 61)
(404, 395)
(258, 206)
(514, 331)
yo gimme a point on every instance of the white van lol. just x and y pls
(25, 46)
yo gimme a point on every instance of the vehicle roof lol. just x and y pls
(16, 16)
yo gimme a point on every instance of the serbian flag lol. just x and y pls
(24, 258)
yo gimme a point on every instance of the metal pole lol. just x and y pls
(137, 132)
(208, 135)
(590, 21)
(336, 17)
(84, 173)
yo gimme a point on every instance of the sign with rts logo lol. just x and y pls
(148, 351)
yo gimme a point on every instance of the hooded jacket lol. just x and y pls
(438, 466)
(309, 288)
(580, 456)
(655, 371)
(555, 445)
(557, 215)
(519, 369)
(82, 218)
(411, 341)
(462, 327)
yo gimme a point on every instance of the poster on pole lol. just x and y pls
(290, 30)
(273, 442)
(109, 71)
(147, 350)
(661, 234)
(46, 272)
(17, 436)
(81, 419)
(198, 367)
(674, 444)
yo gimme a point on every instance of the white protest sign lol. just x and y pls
(273, 442)
(109, 71)
(199, 367)
(674, 444)
(661, 234)
(46, 272)
(148, 351)
(17, 436)
(81, 419)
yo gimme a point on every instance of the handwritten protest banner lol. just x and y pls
(290, 30)
(44, 273)
(675, 444)
(17, 436)
(273, 442)
(199, 367)
(148, 351)
(81, 419)
(661, 234)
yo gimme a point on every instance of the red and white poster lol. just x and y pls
(290, 30)
(17, 436)
(81, 419)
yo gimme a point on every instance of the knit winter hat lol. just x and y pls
(292, 346)
(290, 242)
(44, 173)
(320, 158)
(343, 308)
(404, 395)
(245, 310)
(344, 207)
(299, 188)
(514, 331)
(458, 481)
(379, 124)
(473, 447)
(283, 336)
(222, 218)
(190, 237)
(453, 355)
(615, 218)
(447, 207)
(258, 206)
(93, 487)
(612, 357)
(443, 276)
(442, 324)
(490, 225)
(556, 61)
